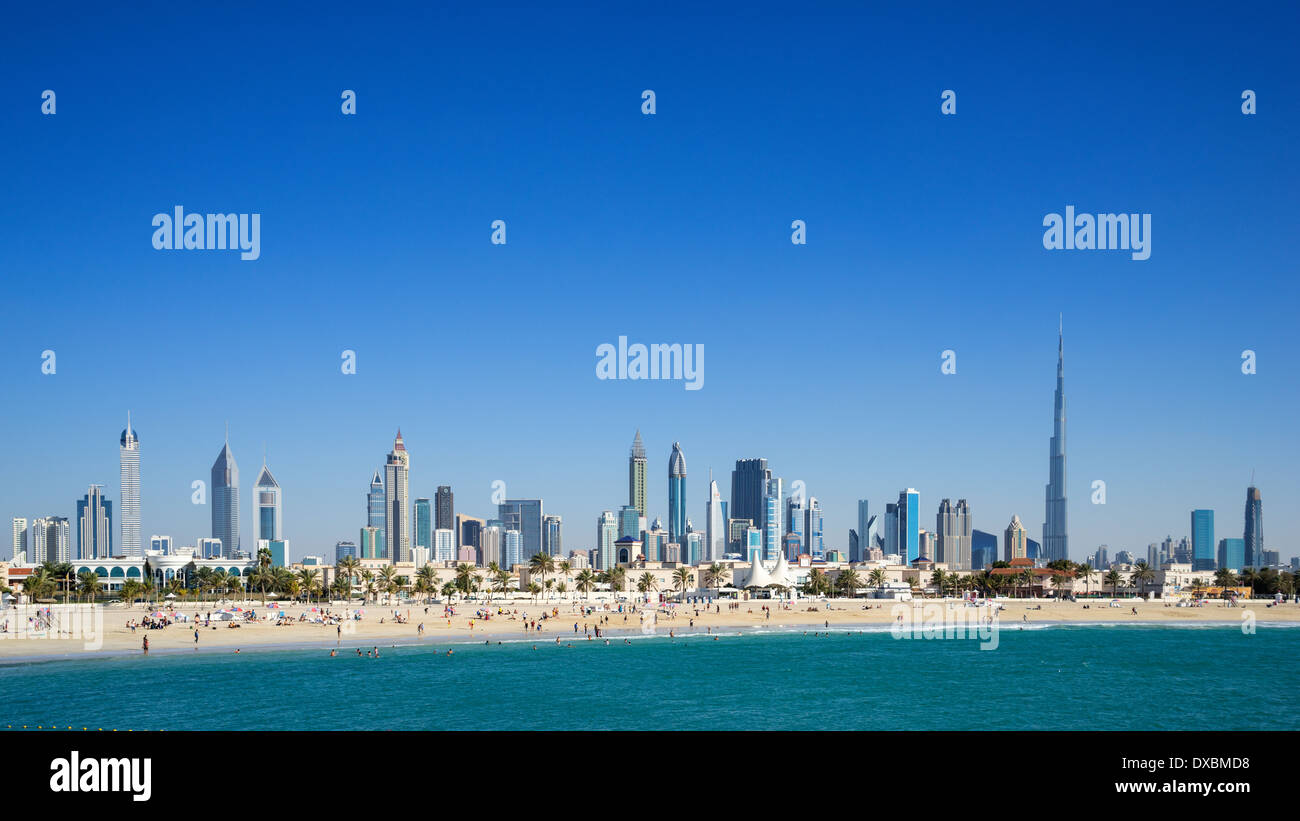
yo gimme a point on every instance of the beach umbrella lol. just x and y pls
(170, 596)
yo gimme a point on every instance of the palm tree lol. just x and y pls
(647, 582)
(341, 587)
(1249, 577)
(816, 582)
(1142, 573)
(683, 579)
(309, 581)
(261, 578)
(426, 580)
(534, 589)
(541, 564)
(501, 581)
(616, 577)
(449, 589)
(464, 573)
(848, 581)
(715, 575)
(387, 575)
(878, 577)
(937, 579)
(492, 570)
(561, 588)
(585, 580)
(1225, 578)
(1112, 578)
(1085, 570)
(130, 591)
(348, 569)
(89, 585)
(565, 568)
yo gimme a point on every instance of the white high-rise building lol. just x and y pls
(267, 507)
(490, 545)
(444, 545)
(20, 539)
(715, 525)
(49, 539)
(129, 507)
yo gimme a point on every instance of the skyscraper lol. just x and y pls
(397, 522)
(677, 494)
(1232, 554)
(1254, 533)
(953, 534)
(1203, 546)
(552, 535)
(377, 514)
(863, 531)
(636, 464)
(225, 500)
(909, 525)
(606, 535)
(524, 515)
(1055, 541)
(20, 538)
(424, 524)
(772, 516)
(129, 512)
(629, 523)
(49, 540)
(94, 525)
(816, 544)
(267, 521)
(715, 524)
(891, 530)
(1014, 545)
(749, 490)
(446, 509)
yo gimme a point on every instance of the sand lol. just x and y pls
(377, 626)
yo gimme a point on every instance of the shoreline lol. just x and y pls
(388, 639)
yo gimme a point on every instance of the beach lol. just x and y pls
(382, 625)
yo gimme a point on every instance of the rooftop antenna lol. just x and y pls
(227, 433)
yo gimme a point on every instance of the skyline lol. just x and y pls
(924, 234)
(752, 482)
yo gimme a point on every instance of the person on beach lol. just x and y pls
(146, 645)
(196, 638)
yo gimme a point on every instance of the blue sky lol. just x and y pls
(924, 234)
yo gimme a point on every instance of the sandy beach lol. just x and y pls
(379, 625)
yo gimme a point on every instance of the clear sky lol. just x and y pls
(924, 234)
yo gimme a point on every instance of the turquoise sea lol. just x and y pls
(1049, 677)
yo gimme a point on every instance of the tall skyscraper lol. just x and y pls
(677, 495)
(268, 523)
(629, 523)
(397, 524)
(129, 511)
(984, 549)
(345, 548)
(863, 531)
(552, 536)
(909, 525)
(444, 545)
(1055, 541)
(20, 538)
(606, 535)
(1254, 533)
(1203, 546)
(891, 531)
(772, 518)
(953, 534)
(1015, 544)
(49, 539)
(524, 515)
(1232, 554)
(94, 525)
(636, 464)
(377, 513)
(749, 491)
(796, 525)
(816, 542)
(225, 500)
(469, 532)
(490, 543)
(424, 524)
(715, 524)
(446, 509)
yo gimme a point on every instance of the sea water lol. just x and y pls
(1048, 677)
